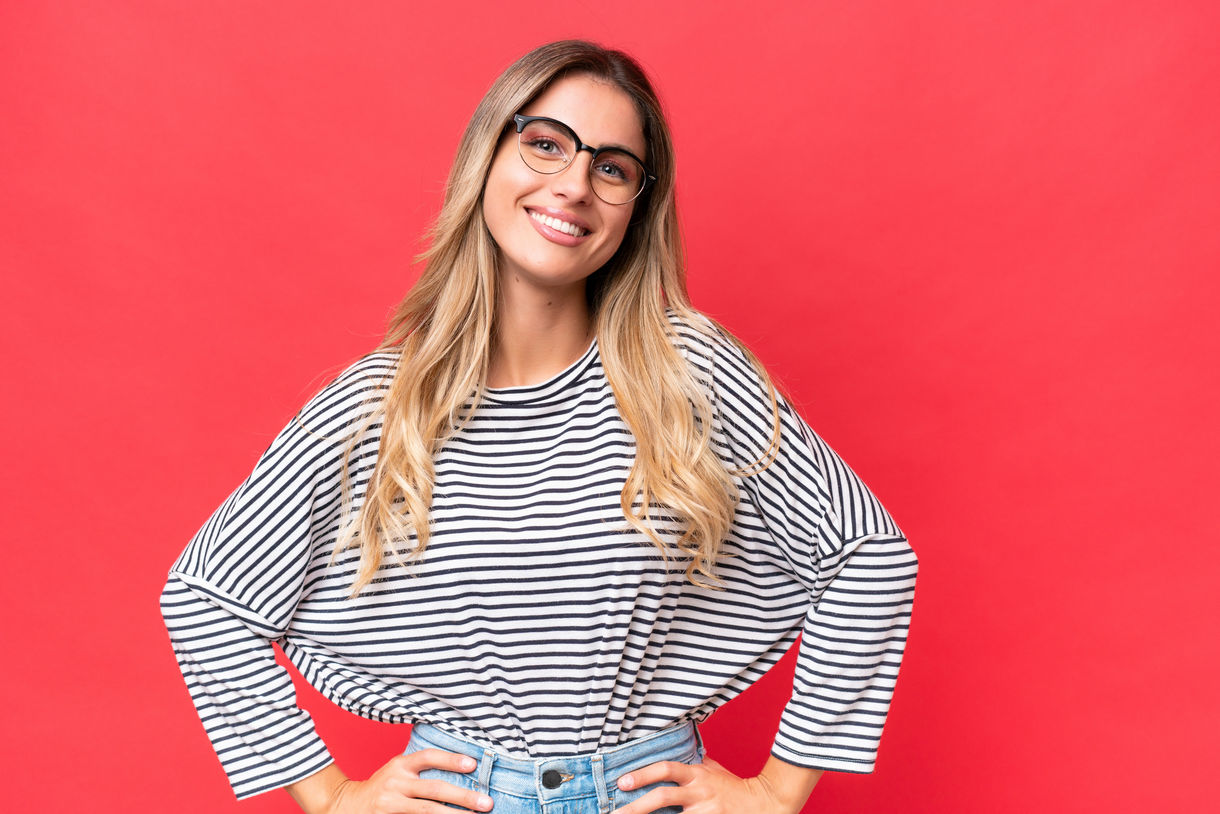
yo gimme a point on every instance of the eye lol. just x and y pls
(616, 169)
(610, 169)
(545, 147)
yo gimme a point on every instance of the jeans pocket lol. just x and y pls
(462, 781)
(622, 798)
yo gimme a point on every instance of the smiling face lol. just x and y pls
(552, 231)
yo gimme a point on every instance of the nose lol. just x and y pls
(574, 183)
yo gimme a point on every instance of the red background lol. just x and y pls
(976, 241)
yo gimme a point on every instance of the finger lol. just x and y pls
(438, 759)
(661, 797)
(443, 792)
(656, 772)
(430, 807)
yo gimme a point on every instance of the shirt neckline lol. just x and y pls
(547, 387)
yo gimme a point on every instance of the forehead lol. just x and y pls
(599, 112)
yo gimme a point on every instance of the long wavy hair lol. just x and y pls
(445, 328)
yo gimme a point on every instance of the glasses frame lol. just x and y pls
(520, 122)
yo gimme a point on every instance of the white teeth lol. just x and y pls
(559, 225)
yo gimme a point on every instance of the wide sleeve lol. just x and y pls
(834, 536)
(235, 588)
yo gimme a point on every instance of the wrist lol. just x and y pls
(319, 792)
(337, 795)
(787, 784)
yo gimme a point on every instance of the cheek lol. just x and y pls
(498, 200)
(505, 182)
(616, 224)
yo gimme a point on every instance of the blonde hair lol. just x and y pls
(445, 326)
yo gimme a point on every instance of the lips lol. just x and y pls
(559, 221)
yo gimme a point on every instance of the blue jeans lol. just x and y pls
(582, 784)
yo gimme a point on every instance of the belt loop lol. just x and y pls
(599, 783)
(485, 765)
(699, 741)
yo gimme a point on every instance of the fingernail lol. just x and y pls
(484, 802)
(625, 782)
(467, 763)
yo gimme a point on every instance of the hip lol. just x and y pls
(579, 784)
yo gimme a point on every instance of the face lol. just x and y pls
(516, 198)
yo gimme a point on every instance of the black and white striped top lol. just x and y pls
(536, 621)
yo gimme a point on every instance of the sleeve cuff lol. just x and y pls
(826, 762)
(250, 785)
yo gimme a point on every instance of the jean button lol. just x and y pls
(551, 779)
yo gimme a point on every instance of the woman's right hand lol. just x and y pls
(395, 788)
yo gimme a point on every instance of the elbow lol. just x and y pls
(174, 597)
(910, 562)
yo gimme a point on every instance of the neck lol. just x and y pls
(539, 332)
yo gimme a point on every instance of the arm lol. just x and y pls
(245, 700)
(836, 540)
(316, 793)
(235, 588)
(842, 546)
(849, 655)
(234, 591)
(848, 659)
(789, 785)
(264, 740)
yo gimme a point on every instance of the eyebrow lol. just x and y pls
(614, 146)
(608, 146)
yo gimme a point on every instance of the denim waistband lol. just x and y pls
(556, 779)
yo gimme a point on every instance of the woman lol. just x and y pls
(557, 517)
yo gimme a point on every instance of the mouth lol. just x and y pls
(561, 225)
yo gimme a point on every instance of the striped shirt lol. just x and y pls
(537, 620)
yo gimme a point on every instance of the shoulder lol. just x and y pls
(695, 330)
(703, 341)
(374, 369)
(717, 358)
(350, 397)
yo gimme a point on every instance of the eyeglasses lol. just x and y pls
(549, 146)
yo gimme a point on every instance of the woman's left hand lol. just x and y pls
(709, 788)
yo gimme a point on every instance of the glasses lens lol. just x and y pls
(549, 147)
(616, 177)
(546, 147)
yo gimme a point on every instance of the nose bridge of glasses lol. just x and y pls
(576, 148)
(581, 176)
